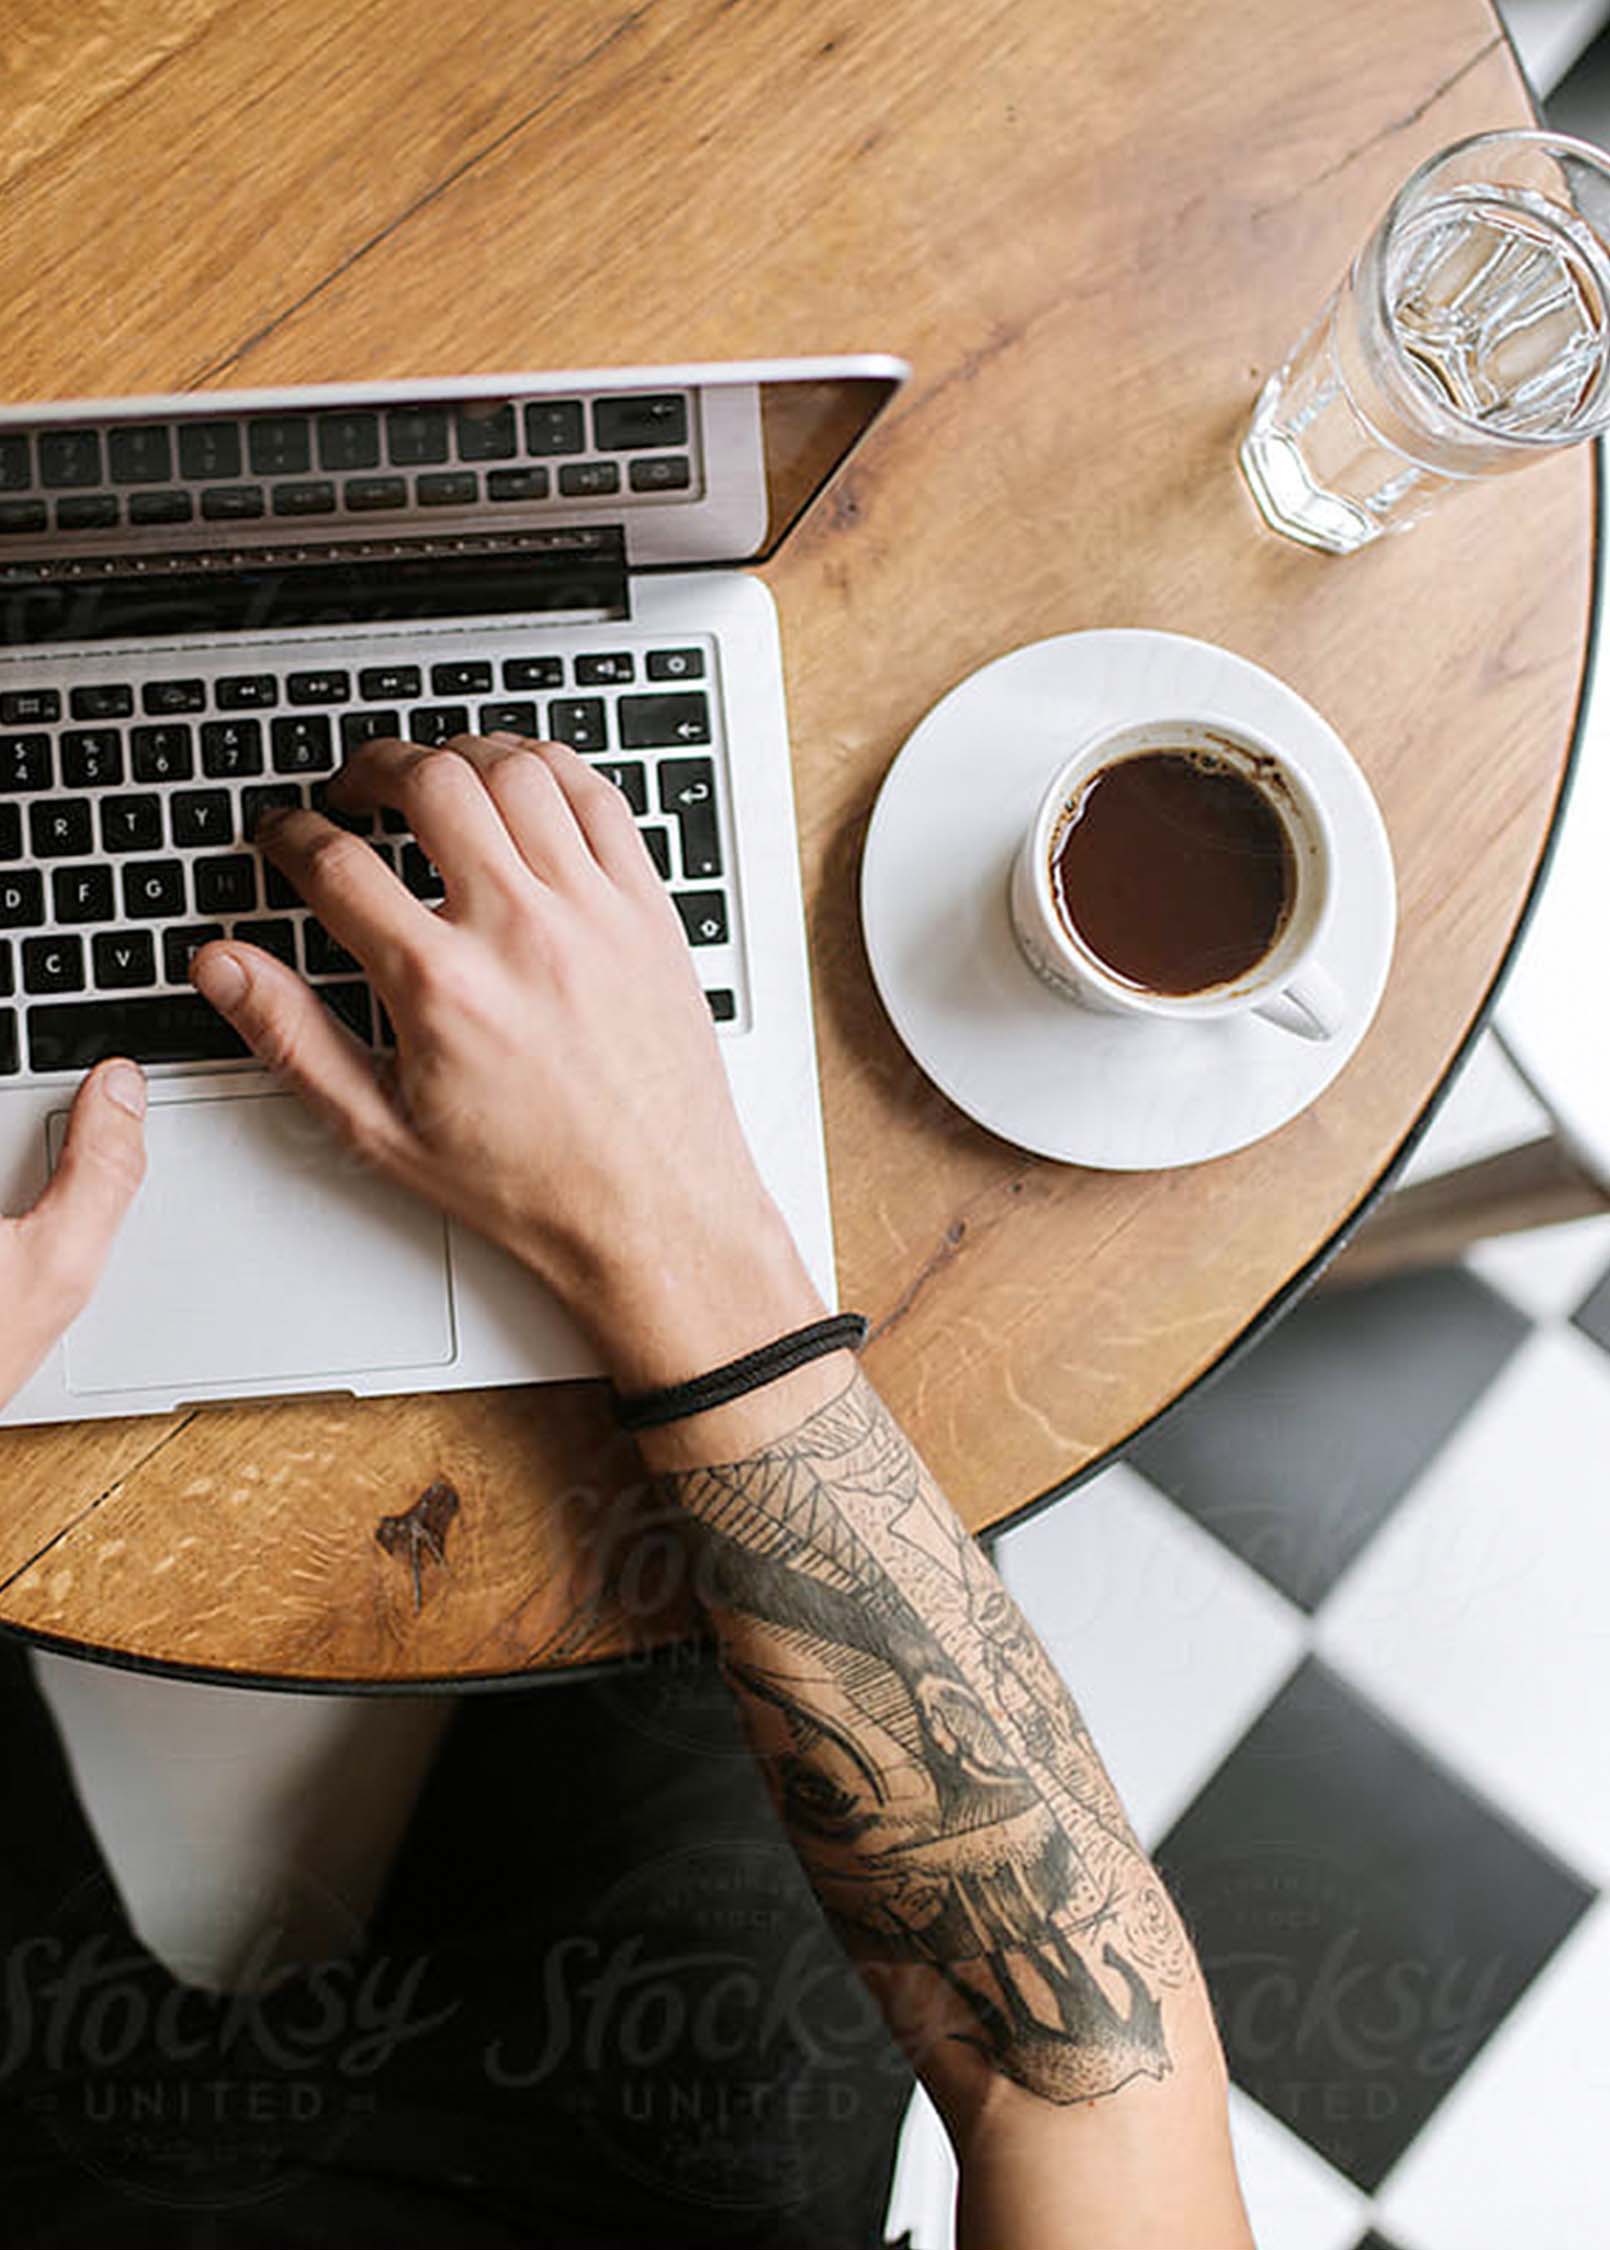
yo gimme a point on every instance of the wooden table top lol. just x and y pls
(1092, 228)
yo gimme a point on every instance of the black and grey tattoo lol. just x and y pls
(932, 1769)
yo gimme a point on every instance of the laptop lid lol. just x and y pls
(343, 502)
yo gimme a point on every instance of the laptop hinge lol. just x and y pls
(574, 572)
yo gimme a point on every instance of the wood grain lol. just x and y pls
(1093, 228)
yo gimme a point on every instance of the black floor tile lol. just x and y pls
(1364, 1921)
(1297, 1454)
(1593, 1314)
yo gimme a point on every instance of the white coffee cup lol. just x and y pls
(1286, 986)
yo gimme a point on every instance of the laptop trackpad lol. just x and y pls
(258, 1251)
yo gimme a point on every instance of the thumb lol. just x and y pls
(69, 1231)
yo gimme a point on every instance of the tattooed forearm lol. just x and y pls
(932, 1769)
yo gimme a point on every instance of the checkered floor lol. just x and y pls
(1341, 1625)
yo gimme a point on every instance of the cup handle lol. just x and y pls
(1310, 1006)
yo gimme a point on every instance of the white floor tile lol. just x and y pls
(1480, 1615)
(1488, 1109)
(1547, 1271)
(1170, 1645)
(1295, 2200)
(1515, 2155)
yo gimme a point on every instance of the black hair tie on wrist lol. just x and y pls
(646, 1410)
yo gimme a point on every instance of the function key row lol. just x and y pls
(384, 683)
(345, 439)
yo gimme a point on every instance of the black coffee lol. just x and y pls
(1175, 871)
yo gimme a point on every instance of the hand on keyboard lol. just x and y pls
(557, 1083)
(51, 1257)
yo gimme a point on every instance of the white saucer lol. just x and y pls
(1057, 1079)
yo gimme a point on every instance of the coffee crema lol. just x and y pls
(1175, 870)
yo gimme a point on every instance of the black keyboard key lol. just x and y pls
(534, 672)
(209, 450)
(415, 434)
(318, 687)
(140, 453)
(314, 498)
(392, 822)
(355, 823)
(161, 507)
(246, 691)
(461, 679)
(35, 707)
(60, 828)
(517, 484)
(131, 824)
(201, 819)
(675, 664)
(161, 754)
(704, 916)
(19, 517)
(653, 418)
(303, 744)
(227, 885)
(279, 445)
(82, 894)
(231, 747)
(153, 889)
(660, 472)
(486, 431)
(658, 841)
(455, 490)
(359, 727)
(723, 1005)
(8, 982)
(69, 457)
(581, 724)
(650, 722)
(123, 959)
(420, 874)
(349, 440)
(688, 791)
(606, 670)
(16, 472)
(438, 723)
(92, 758)
(508, 718)
(180, 947)
(22, 899)
(350, 1004)
(10, 831)
(629, 780)
(255, 802)
(170, 1027)
(10, 1059)
(279, 891)
(24, 762)
(322, 956)
(366, 495)
(276, 937)
(87, 511)
(555, 426)
(387, 683)
(53, 964)
(103, 700)
(585, 480)
(161, 698)
(232, 503)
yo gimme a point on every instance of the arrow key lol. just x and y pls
(688, 789)
(653, 722)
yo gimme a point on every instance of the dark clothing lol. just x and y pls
(597, 2008)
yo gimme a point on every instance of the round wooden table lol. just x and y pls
(1092, 228)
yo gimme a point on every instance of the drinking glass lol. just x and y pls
(1469, 337)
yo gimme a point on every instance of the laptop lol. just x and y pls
(206, 602)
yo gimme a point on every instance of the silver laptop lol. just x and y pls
(210, 600)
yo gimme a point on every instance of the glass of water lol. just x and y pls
(1469, 338)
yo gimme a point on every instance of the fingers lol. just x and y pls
(351, 890)
(70, 1230)
(447, 807)
(566, 820)
(293, 1034)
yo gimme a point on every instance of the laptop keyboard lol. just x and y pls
(366, 464)
(126, 802)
